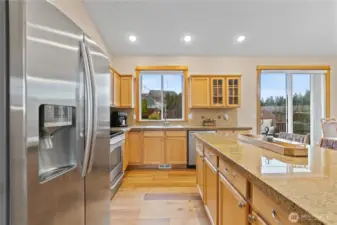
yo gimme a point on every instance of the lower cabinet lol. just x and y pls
(175, 150)
(134, 146)
(233, 209)
(272, 213)
(211, 192)
(153, 150)
(200, 173)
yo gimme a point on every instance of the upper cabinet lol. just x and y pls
(200, 92)
(126, 91)
(117, 89)
(215, 91)
(121, 90)
(233, 91)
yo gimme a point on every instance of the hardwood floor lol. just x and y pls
(158, 197)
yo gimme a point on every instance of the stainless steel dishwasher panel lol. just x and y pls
(191, 153)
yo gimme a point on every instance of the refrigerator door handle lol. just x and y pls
(94, 108)
(89, 122)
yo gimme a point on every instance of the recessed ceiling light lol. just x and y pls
(187, 38)
(132, 38)
(241, 39)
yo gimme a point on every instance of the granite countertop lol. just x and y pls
(176, 127)
(308, 182)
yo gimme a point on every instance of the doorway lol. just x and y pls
(292, 101)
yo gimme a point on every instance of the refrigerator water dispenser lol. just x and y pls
(57, 141)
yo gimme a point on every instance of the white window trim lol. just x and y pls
(161, 73)
(289, 95)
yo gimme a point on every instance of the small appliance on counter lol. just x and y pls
(118, 119)
(208, 122)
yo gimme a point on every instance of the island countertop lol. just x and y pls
(310, 182)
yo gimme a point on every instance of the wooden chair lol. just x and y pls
(294, 137)
(329, 143)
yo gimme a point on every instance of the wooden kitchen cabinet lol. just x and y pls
(233, 91)
(175, 150)
(134, 146)
(271, 211)
(117, 89)
(126, 152)
(200, 92)
(211, 192)
(126, 91)
(233, 208)
(153, 150)
(200, 173)
(217, 92)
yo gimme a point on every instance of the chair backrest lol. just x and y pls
(294, 137)
(329, 143)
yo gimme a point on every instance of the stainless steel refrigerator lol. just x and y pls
(54, 120)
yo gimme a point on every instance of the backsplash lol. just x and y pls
(197, 116)
(218, 114)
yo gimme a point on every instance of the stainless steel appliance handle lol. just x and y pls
(89, 122)
(94, 108)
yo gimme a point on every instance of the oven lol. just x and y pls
(116, 160)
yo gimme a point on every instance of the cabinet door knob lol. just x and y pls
(251, 218)
(242, 204)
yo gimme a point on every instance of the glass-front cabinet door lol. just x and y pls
(217, 91)
(233, 92)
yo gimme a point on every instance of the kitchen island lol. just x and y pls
(241, 183)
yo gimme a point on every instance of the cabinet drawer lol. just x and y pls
(199, 147)
(269, 210)
(176, 133)
(236, 178)
(211, 156)
(154, 134)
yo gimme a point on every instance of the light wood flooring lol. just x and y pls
(158, 197)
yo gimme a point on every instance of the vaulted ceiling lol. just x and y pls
(271, 27)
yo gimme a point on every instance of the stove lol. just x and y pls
(115, 133)
(117, 139)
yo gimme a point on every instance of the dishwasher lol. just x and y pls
(191, 153)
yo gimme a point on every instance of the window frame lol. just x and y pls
(161, 69)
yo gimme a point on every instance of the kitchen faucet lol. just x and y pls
(165, 121)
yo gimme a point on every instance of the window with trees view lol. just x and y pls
(292, 102)
(161, 95)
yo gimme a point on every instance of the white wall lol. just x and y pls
(232, 65)
(77, 12)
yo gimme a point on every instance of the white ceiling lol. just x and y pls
(271, 27)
